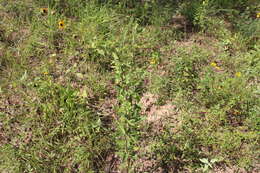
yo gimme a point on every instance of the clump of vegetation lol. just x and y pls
(129, 86)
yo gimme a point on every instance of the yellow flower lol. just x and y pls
(258, 15)
(153, 61)
(238, 74)
(45, 73)
(44, 10)
(61, 24)
(213, 64)
(218, 68)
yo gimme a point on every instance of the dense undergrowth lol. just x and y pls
(129, 86)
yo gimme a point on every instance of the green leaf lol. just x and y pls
(24, 76)
(214, 160)
(101, 52)
(204, 160)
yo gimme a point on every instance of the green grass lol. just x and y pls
(72, 96)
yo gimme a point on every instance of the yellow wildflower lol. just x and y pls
(153, 61)
(218, 68)
(44, 10)
(258, 15)
(213, 64)
(61, 24)
(238, 74)
(45, 73)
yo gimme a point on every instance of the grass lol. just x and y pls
(74, 76)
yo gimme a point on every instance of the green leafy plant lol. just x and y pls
(208, 164)
(113, 86)
(128, 109)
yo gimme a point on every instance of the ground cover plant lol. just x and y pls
(129, 86)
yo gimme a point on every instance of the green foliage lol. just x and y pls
(186, 70)
(74, 76)
(208, 164)
(228, 4)
(60, 130)
(248, 26)
(128, 81)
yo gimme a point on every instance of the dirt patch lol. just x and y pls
(235, 170)
(158, 117)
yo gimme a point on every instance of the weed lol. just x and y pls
(73, 75)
